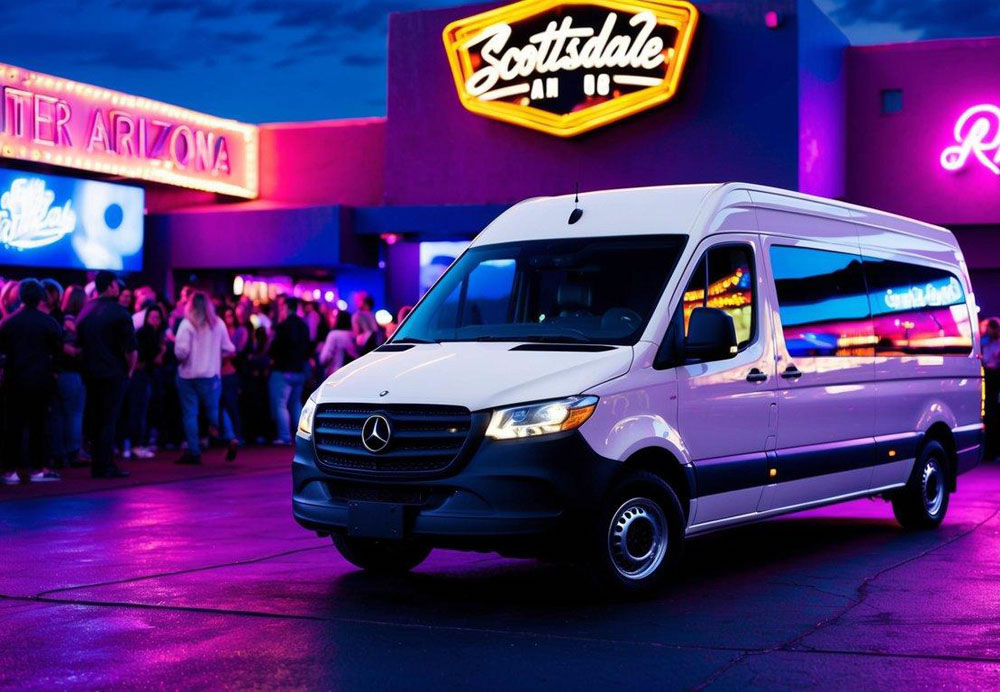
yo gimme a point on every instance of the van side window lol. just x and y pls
(723, 279)
(917, 310)
(822, 302)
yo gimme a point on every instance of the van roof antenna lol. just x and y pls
(577, 212)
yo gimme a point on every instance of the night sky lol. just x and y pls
(282, 60)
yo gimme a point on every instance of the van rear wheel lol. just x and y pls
(639, 536)
(381, 556)
(923, 502)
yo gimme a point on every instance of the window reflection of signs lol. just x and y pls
(731, 293)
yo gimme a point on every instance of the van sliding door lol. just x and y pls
(826, 373)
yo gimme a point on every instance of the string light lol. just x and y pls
(111, 163)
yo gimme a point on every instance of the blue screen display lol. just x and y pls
(49, 221)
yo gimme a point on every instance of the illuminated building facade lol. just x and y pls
(491, 104)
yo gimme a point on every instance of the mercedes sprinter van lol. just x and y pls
(603, 378)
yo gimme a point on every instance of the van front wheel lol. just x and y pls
(384, 557)
(923, 503)
(640, 534)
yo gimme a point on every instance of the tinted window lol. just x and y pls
(723, 279)
(917, 310)
(485, 297)
(823, 302)
(600, 289)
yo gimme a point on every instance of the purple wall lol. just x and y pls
(253, 236)
(894, 159)
(822, 107)
(735, 117)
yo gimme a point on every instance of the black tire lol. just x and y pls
(923, 502)
(382, 557)
(638, 563)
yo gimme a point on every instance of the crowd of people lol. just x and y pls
(95, 375)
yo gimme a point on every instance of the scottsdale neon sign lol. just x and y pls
(566, 67)
(977, 133)
(51, 120)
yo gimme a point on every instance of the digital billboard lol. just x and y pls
(54, 222)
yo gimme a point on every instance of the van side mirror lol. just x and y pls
(711, 336)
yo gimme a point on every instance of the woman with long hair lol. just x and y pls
(201, 343)
(151, 348)
(71, 396)
(232, 374)
(340, 347)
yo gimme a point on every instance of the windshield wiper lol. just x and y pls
(534, 339)
(556, 339)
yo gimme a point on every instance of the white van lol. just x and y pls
(603, 378)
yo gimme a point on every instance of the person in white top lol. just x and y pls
(339, 345)
(145, 298)
(201, 342)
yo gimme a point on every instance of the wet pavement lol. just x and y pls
(196, 579)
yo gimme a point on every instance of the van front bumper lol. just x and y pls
(506, 488)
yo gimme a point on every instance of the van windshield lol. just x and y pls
(575, 290)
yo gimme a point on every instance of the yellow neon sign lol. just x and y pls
(565, 67)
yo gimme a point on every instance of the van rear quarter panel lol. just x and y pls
(915, 392)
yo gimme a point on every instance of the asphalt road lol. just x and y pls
(206, 582)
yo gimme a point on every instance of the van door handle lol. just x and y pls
(756, 375)
(791, 373)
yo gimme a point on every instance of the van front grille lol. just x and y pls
(423, 439)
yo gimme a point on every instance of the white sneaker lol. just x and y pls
(45, 477)
(143, 453)
(11, 478)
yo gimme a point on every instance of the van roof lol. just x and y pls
(688, 209)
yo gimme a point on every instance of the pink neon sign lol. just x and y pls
(51, 120)
(977, 133)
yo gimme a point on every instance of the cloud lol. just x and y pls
(363, 59)
(123, 49)
(932, 19)
(202, 9)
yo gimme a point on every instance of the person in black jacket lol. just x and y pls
(290, 350)
(30, 341)
(106, 337)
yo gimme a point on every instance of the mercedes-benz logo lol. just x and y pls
(375, 433)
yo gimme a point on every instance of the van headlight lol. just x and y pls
(306, 418)
(543, 418)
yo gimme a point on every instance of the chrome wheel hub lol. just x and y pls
(637, 538)
(932, 482)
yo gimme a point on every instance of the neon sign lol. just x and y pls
(565, 67)
(977, 133)
(27, 217)
(46, 119)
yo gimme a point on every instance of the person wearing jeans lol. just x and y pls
(290, 351)
(201, 343)
(285, 389)
(199, 395)
(71, 397)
